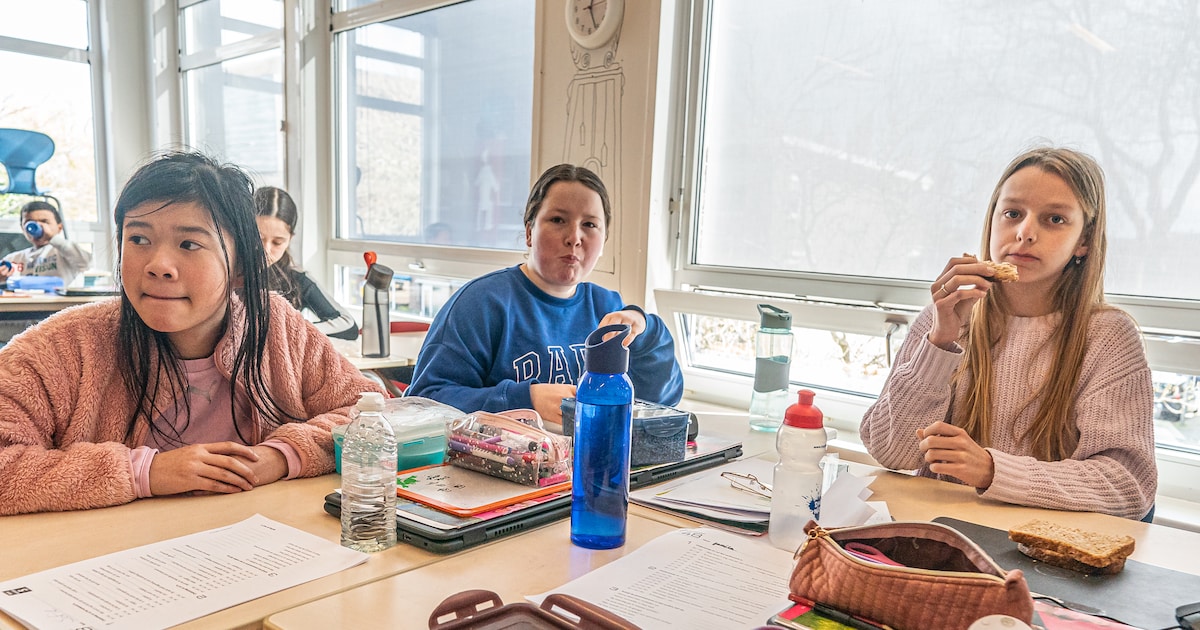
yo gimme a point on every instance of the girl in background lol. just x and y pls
(1035, 392)
(513, 339)
(277, 217)
(196, 379)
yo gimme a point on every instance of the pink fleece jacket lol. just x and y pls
(65, 411)
(1112, 469)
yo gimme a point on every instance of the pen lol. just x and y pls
(483, 444)
(853, 621)
(479, 452)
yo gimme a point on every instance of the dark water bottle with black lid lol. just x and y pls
(376, 324)
(603, 433)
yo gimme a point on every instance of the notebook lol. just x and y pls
(1142, 595)
(425, 527)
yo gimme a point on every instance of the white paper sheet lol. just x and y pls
(700, 579)
(844, 503)
(173, 581)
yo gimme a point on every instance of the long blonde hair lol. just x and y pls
(1076, 296)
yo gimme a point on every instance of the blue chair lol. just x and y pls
(21, 152)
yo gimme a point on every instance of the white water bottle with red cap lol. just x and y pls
(796, 487)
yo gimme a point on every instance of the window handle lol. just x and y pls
(893, 327)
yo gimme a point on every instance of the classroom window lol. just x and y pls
(234, 109)
(44, 51)
(848, 362)
(875, 152)
(58, 22)
(433, 126)
(846, 151)
(413, 296)
(232, 63)
(215, 23)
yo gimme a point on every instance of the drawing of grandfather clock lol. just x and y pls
(594, 101)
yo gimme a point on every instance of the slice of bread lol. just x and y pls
(1002, 271)
(1090, 548)
(1060, 560)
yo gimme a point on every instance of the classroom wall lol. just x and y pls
(600, 112)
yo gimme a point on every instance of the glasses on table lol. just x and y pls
(747, 483)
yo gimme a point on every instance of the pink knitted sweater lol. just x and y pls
(1112, 469)
(64, 409)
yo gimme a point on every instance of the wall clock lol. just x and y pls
(592, 23)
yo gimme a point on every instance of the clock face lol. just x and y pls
(592, 23)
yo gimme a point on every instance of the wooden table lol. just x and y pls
(36, 542)
(404, 346)
(399, 587)
(21, 305)
(531, 563)
(547, 559)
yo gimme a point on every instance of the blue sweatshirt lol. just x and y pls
(500, 333)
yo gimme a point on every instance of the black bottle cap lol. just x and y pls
(607, 356)
(379, 277)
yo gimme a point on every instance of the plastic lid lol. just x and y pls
(607, 356)
(379, 277)
(370, 401)
(774, 317)
(35, 229)
(803, 415)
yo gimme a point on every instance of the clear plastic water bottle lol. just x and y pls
(796, 487)
(772, 368)
(603, 435)
(369, 478)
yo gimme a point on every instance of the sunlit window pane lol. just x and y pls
(60, 22)
(1176, 410)
(388, 194)
(64, 114)
(864, 138)
(412, 295)
(234, 109)
(215, 23)
(832, 360)
(434, 121)
(342, 5)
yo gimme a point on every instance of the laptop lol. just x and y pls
(440, 532)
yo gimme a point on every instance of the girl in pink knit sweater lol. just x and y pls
(1036, 391)
(195, 380)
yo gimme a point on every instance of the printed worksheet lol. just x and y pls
(701, 579)
(168, 583)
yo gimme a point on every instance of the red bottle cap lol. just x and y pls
(369, 258)
(803, 415)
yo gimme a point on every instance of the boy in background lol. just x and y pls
(52, 254)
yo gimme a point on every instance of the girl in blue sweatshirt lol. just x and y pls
(514, 338)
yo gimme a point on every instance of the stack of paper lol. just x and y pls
(711, 498)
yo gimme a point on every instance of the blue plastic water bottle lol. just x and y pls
(34, 229)
(603, 431)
